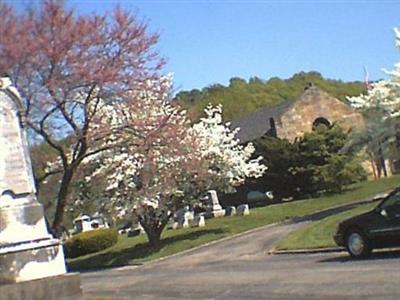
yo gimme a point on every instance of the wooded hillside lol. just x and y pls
(243, 97)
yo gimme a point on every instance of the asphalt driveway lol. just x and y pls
(240, 268)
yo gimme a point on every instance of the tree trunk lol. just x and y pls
(382, 160)
(153, 234)
(397, 164)
(61, 202)
(397, 135)
(153, 229)
(374, 172)
(373, 166)
(154, 237)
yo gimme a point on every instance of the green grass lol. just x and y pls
(131, 251)
(319, 234)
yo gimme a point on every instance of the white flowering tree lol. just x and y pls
(229, 163)
(384, 94)
(381, 105)
(169, 164)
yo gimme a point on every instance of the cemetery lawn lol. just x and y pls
(319, 234)
(131, 251)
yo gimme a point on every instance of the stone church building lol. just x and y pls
(291, 119)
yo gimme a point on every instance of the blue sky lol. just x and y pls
(208, 42)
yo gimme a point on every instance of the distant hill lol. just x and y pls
(242, 97)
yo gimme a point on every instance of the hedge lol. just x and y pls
(90, 242)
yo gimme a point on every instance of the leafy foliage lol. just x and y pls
(243, 97)
(309, 166)
(90, 242)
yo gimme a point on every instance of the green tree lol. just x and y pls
(322, 161)
(310, 166)
(279, 156)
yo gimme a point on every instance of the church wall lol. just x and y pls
(299, 118)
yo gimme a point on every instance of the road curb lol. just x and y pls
(307, 251)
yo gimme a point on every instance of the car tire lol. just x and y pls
(357, 244)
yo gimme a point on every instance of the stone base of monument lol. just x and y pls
(63, 287)
(36, 271)
(31, 260)
(27, 250)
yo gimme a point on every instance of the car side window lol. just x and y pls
(392, 201)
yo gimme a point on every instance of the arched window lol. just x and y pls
(321, 121)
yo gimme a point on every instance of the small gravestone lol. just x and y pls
(198, 221)
(230, 211)
(243, 210)
(175, 225)
(132, 232)
(213, 209)
(27, 250)
(188, 219)
(183, 218)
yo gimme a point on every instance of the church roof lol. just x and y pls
(257, 124)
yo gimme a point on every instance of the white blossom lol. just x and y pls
(229, 161)
(384, 94)
(154, 152)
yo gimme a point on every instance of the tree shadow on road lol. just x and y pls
(137, 253)
(378, 255)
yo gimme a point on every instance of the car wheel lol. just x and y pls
(357, 244)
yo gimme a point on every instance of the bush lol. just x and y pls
(310, 166)
(90, 241)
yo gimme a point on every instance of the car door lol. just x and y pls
(386, 226)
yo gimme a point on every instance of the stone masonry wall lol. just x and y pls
(313, 104)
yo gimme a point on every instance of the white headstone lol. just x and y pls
(213, 209)
(230, 211)
(243, 210)
(27, 250)
(183, 219)
(199, 221)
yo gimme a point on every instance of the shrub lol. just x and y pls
(312, 165)
(90, 241)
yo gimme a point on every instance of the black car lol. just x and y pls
(378, 228)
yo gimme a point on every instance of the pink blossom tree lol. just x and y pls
(64, 65)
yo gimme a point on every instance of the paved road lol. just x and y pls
(240, 268)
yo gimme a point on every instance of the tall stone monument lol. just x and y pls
(27, 251)
(213, 209)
